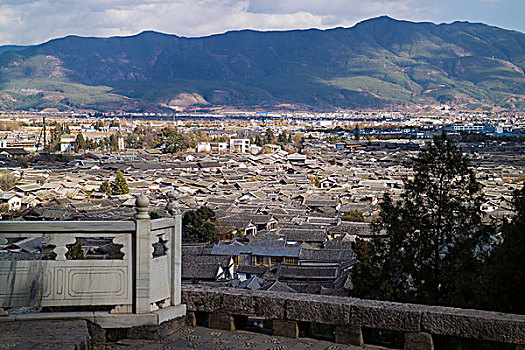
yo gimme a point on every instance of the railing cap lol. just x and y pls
(142, 203)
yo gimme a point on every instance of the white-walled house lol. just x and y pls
(12, 199)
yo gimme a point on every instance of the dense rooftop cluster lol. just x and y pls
(279, 216)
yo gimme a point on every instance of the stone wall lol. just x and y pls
(349, 315)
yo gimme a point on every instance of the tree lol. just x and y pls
(99, 125)
(146, 137)
(357, 132)
(504, 275)
(207, 232)
(200, 224)
(120, 186)
(436, 241)
(269, 136)
(56, 134)
(298, 140)
(134, 140)
(113, 143)
(105, 188)
(7, 181)
(4, 208)
(371, 277)
(80, 143)
(172, 141)
(354, 216)
(259, 141)
(283, 138)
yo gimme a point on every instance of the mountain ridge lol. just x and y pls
(378, 63)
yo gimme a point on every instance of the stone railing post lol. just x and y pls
(418, 341)
(352, 335)
(143, 256)
(175, 211)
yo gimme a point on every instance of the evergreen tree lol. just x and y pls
(134, 140)
(207, 232)
(283, 138)
(269, 136)
(56, 134)
(105, 188)
(200, 224)
(259, 141)
(113, 143)
(504, 277)
(436, 241)
(80, 143)
(120, 186)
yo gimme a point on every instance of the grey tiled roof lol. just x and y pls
(262, 250)
(304, 235)
(308, 272)
(327, 255)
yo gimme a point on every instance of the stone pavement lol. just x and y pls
(44, 335)
(73, 335)
(188, 338)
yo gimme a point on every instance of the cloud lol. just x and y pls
(35, 21)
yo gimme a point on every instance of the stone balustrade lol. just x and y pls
(140, 276)
(351, 315)
(141, 285)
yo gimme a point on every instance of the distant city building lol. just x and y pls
(239, 145)
(67, 143)
(203, 147)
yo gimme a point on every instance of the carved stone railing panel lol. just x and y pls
(63, 282)
(90, 282)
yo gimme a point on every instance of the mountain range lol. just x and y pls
(378, 63)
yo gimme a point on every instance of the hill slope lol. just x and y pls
(377, 63)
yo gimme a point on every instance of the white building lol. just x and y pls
(12, 199)
(203, 147)
(239, 145)
(67, 143)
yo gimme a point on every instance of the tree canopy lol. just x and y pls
(200, 224)
(354, 216)
(171, 141)
(504, 276)
(7, 181)
(105, 188)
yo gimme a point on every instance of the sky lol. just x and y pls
(25, 22)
